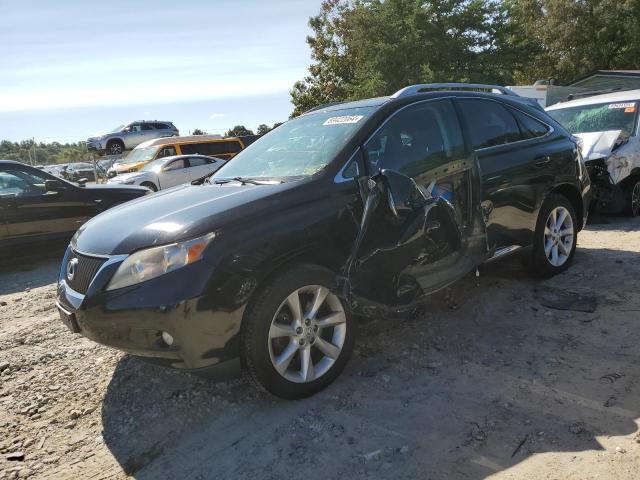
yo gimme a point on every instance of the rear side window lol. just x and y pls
(198, 161)
(529, 126)
(161, 126)
(146, 126)
(211, 148)
(489, 123)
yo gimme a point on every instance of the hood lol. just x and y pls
(175, 214)
(595, 145)
(125, 167)
(123, 177)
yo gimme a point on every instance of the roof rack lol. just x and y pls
(414, 89)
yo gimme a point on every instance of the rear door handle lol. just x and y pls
(542, 161)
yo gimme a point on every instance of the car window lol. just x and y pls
(161, 126)
(175, 165)
(136, 127)
(17, 183)
(529, 126)
(146, 126)
(212, 148)
(416, 140)
(598, 118)
(489, 123)
(167, 152)
(198, 161)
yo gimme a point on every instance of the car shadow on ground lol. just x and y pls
(485, 379)
(29, 268)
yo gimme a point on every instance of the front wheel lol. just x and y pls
(150, 186)
(555, 238)
(297, 334)
(633, 198)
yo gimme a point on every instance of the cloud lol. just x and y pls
(217, 115)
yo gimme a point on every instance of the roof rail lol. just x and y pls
(413, 89)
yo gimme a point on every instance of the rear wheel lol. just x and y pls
(297, 334)
(555, 237)
(150, 186)
(115, 147)
(633, 198)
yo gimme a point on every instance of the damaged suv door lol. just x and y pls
(422, 227)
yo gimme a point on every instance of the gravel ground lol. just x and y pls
(488, 383)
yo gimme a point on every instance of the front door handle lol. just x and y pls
(542, 161)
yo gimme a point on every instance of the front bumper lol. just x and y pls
(132, 319)
(94, 145)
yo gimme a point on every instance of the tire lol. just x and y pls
(271, 334)
(115, 147)
(545, 262)
(632, 198)
(150, 186)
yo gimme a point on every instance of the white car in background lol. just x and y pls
(609, 132)
(168, 172)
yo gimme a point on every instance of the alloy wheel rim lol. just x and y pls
(307, 334)
(558, 236)
(635, 200)
(115, 148)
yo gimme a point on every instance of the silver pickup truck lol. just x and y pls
(126, 137)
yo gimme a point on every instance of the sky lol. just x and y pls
(72, 69)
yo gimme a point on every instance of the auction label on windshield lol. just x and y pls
(622, 105)
(343, 120)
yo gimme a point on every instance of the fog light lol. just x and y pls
(168, 339)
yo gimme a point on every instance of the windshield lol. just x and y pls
(298, 148)
(141, 155)
(117, 129)
(154, 166)
(598, 118)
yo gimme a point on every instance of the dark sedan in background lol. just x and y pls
(35, 205)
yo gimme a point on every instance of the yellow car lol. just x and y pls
(211, 145)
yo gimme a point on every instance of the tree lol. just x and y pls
(365, 48)
(197, 131)
(569, 38)
(262, 129)
(238, 131)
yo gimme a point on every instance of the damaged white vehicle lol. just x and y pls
(607, 126)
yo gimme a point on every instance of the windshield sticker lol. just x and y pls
(623, 105)
(343, 120)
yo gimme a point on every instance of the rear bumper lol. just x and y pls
(132, 319)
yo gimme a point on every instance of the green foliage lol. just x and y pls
(238, 131)
(366, 48)
(569, 38)
(44, 153)
(262, 129)
(197, 131)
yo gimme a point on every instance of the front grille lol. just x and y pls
(85, 270)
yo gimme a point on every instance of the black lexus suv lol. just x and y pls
(353, 209)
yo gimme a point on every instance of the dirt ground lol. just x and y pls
(488, 383)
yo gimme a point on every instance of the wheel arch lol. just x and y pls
(571, 193)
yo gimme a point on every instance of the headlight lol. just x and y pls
(153, 262)
(130, 182)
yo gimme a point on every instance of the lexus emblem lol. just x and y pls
(71, 268)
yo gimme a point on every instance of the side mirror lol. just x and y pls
(82, 181)
(54, 186)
